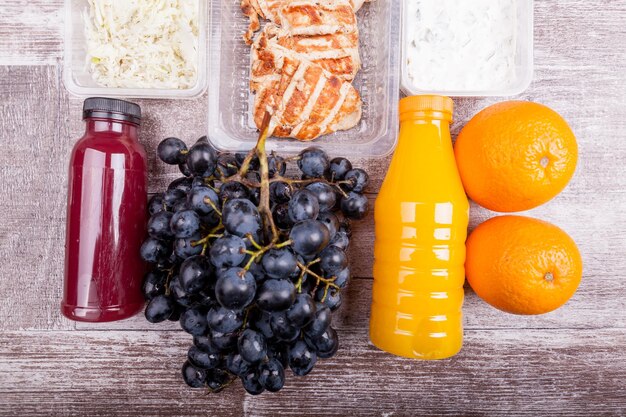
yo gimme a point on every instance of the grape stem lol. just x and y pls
(291, 182)
(328, 282)
(270, 230)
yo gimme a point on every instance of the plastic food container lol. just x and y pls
(230, 121)
(78, 80)
(523, 67)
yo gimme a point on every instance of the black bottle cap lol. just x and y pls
(111, 108)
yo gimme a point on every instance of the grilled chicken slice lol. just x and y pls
(302, 17)
(304, 99)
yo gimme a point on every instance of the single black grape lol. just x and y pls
(194, 377)
(193, 321)
(224, 342)
(280, 213)
(184, 169)
(195, 273)
(159, 309)
(204, 343)
(201, 359)
(254, 162)
(175, 314)
(252, 346)
(331, 221)
(313, 162)
(153, 284)
(301, 358)
(357, 180)
(203, 200)
(338, 168)
(323, 318)
(217, 379)
(181, 205)
(172, 151)
(154, 250)
(226, 166)
(280, 192)
(276, 165)
(279, 263)
(279, 351)
(326, 344)
(340, 240)
(228, 251)
(232, 189)
(325, 195)
(333, 260)
(251, 383)
(276, 295)
(179, 295)
(237, 365)
(159, 226)
(173, 197)
(186, 247)
(342, 277)
(235, 288)
(257, 271)
(211, 220)
(331, 298)
(272, 375)
(303, 206)
(185, 223)
(302, 312)
(283, 329)
(260, 320)
(241, 217)
(223, 320)
(182, 183)
(354, 206)
(202, 159)
(309, 237)
(156, 204)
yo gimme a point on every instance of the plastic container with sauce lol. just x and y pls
(466, 45)
(106, 215)
(421, 219)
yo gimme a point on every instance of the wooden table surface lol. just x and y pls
(569, 362)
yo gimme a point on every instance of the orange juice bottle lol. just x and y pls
(421, 217)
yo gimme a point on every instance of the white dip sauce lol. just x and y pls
(460, 45)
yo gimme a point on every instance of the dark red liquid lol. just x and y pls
(106, 219)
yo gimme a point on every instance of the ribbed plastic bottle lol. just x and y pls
(421, 217)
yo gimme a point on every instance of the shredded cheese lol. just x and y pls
(143, 43)
(461, 45)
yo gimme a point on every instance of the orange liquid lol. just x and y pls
(421, 217)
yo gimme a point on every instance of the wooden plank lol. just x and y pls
(592, 307)
(505, 372)
(31, 32)
(35, 147)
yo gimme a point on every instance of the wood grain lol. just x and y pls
(34, 148)
(504, 372)
(570, 362)
(31, 32)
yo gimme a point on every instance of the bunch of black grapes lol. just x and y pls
(251, 263)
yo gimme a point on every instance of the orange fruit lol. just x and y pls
(515, 156)
(522, 265)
